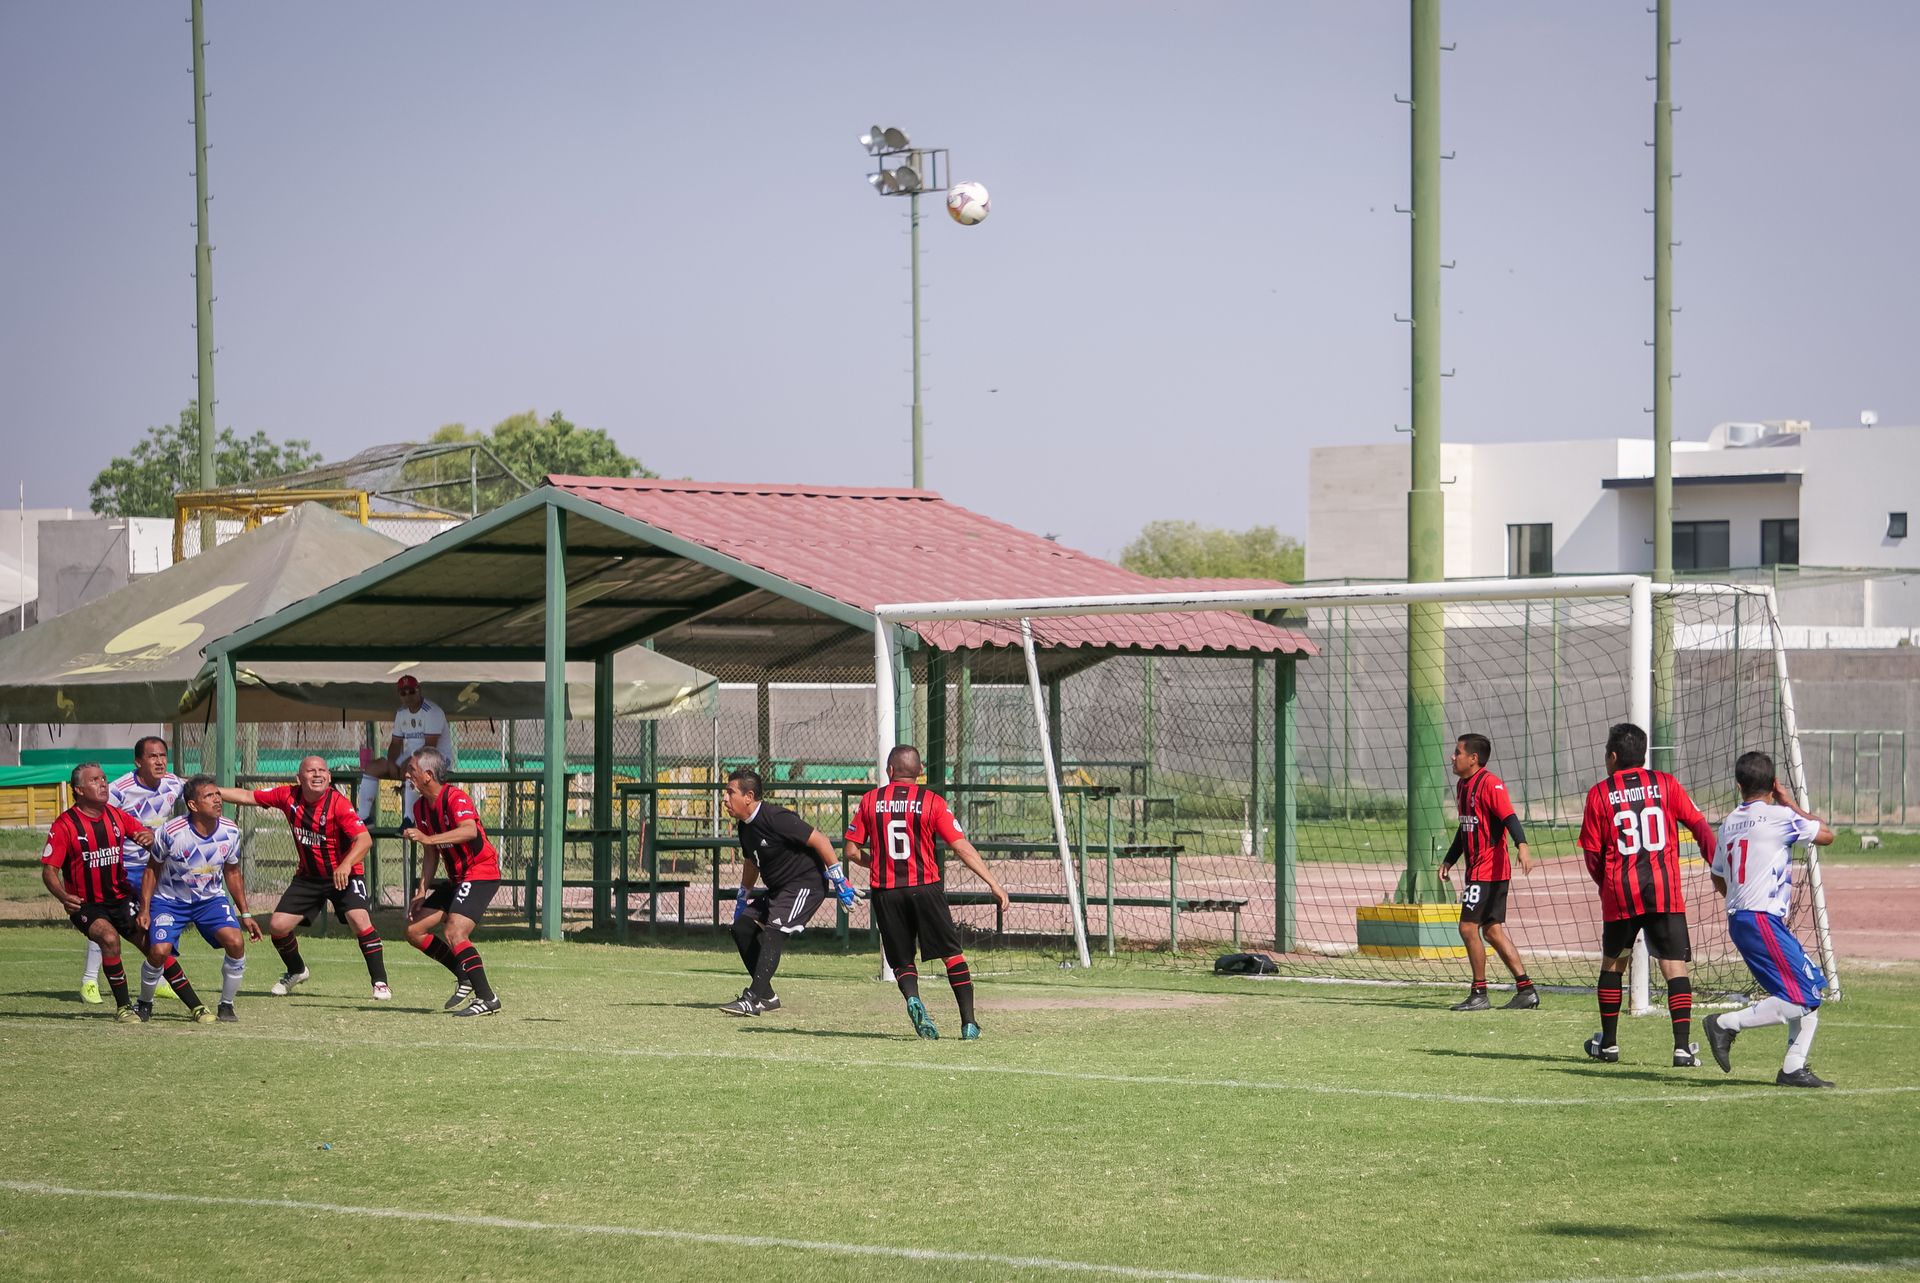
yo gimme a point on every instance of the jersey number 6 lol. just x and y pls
(1640, 829)
(899, 841)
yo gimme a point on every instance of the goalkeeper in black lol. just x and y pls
(800, 869)
(1486, 822)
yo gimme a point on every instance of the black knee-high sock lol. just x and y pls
(1609, 1008)
(116, 975)
(772, 941)
(375, 954)
(746, 938)
(436, 948)
(908, 978)
(962, 981)
(289, 953)
(177, 979)
(1680, 1008)
(468, 959)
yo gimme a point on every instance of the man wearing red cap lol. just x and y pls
(419, 723)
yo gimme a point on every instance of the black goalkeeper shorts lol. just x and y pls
(918, 915)
(1666, 936)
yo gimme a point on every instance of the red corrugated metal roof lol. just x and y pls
(868, 547)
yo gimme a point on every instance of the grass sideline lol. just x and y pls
(1160, 1123)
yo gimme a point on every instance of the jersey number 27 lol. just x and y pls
(1640, 830)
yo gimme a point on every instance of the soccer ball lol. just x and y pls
(968, 203)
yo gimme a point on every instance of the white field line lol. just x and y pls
(862, 1249)
(684, 1236)
(1139, 1080)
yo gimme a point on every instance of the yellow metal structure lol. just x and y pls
(251, 508)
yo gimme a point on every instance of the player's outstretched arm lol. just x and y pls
(970, 857)
(1783, 798)
(239, 797)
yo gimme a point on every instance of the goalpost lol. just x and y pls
(1489, 605)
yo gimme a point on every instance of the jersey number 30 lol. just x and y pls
(1640, 830)
(899, 840)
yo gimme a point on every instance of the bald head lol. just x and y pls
(903, 763)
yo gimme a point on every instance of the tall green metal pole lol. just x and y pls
(919, 464)
(1426, 506)
(603, 898)
(554, 826)
(203, 274)
(1663, 726)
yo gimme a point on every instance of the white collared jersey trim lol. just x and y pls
(192, 866)
(412, 729)
(1754, 854)
(150, 806)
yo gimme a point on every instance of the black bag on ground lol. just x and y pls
(1244, 964)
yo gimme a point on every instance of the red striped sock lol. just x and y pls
(177, 980)
(116, 975)
(962, 981)
(436, 948)
(375, 955)
(468, 959)
(1680, 1008)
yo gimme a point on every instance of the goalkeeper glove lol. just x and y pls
(739, 904)
(837, 882)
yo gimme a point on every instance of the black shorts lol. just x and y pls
(788, 908)
(304, 896)
(1666, 936)
(469, 899)
(120, 913)
(906, 915)
(1484, 902)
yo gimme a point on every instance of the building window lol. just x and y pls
(1896, 525)
(1701, 545)
(1780, 542)
(1530, 550)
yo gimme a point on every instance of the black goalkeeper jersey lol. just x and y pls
(775, 839)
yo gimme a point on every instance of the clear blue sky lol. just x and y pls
(653, 217)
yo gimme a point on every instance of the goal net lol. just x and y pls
(1164, 807)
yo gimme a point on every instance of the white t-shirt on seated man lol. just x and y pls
(418, 723)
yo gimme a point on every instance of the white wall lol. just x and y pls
(1855, 477)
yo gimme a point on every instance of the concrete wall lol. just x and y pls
(1855, 477)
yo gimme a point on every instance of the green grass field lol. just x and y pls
(1125, 1124)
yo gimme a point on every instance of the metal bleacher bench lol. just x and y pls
(1174, 904)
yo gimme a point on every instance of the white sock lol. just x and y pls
(1768, 1011)
(230, 972)
(149, 981)
(369, 794)
(1800, 1033)
(92, 974)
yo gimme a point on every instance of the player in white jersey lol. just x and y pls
(1753, 868)
(196, 868)
(148, 793)
(418, 723)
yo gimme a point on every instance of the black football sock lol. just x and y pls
(375, 954)
(472, 971)
(1609, 1008)
(116, 978)
(746, 938)
(772, 941)
(1680, 1008)
(1521, 982)
(436, 948)
(289, 953)
(909, 981)
(962, 981)
(1480, 986)
(177, 980)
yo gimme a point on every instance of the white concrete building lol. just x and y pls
(1751, 495)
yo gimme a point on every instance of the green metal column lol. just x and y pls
(554, 802)
(919, 465)
(936, 761)
(1286, 793)
(1256, 798)
(603, 792)
(963, 741)
(203, 282)
(1146, 731)
(1663, 728)
(763, 730)
(902, 698)
(1053, 730)
(1426, 505)
(225, 697)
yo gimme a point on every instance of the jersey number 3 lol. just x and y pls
(899, 840)
(1640, 830)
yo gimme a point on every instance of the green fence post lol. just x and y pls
(1286, 791)
(1109, 875)
(554, 801)
(603, 792)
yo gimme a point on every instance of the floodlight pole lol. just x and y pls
(1426, 503)
(1662, 730)
(919, 439)
(203, 276)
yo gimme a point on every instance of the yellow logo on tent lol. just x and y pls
(158, 637)
(65, 705)
(469, 697)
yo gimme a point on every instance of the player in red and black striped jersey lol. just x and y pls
(83, 867)
(1487, 820)
(894, 834)
(443, 914)
(331, 842)
(1630, 834)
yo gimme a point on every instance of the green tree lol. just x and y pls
(1189, 550)
(534, 448)
(144, 482)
